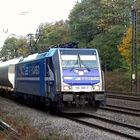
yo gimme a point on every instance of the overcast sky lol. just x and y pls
(21, 17)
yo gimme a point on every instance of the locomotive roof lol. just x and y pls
(39, 55)
(49, 53)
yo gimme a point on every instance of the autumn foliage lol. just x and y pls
(125, 46)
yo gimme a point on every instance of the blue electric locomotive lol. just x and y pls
(64, 75)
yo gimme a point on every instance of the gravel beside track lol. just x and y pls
(48, 124)
(124, 118)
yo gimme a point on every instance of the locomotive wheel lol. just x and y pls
(100, 103)
(56, 107)
(97, 104)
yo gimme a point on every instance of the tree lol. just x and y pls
(14, 47)
(48, 35)
(136, 4)
(106, 43)
(125, 46)
(83, 21)
(52, 34)
(9, 49)
(23, 47)
(101, 24)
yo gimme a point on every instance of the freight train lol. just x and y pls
(62, 76)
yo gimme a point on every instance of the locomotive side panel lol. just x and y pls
(30, 77)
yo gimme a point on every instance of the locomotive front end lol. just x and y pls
(81, 77)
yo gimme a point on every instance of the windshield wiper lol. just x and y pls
(84, 66)
(73, 67)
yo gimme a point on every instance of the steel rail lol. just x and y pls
(124, 97)
(123, 92)
(112, 121)
(126, 108)
(120, 111)
(8, 130)
(104, 128)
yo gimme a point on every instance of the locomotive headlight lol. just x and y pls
(67, 87)
(96, 87)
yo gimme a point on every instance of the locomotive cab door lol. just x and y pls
(49, 78)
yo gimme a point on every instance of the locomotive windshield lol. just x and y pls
(69, 61)
(88, 61)
(78, 61)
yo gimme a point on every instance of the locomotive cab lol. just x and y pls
(81, 79)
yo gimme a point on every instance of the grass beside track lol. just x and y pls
(24, 129)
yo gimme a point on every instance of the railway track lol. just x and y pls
(83, 117)
(9, 131)
(123, 96)
(123, 93)
(121, 110)
(110, 130)
(124, 108)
